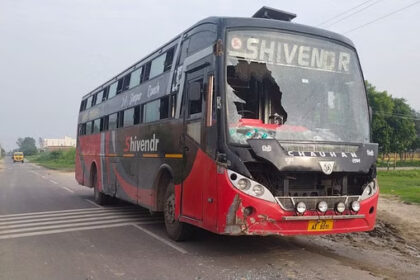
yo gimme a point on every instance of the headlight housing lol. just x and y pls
(369, 190)
(250, 187)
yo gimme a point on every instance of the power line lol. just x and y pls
(382, 17)
(352, 14)
(343, 13)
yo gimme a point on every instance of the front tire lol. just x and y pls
(176, 230)
(98, 196)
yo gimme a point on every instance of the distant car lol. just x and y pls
(18, 157)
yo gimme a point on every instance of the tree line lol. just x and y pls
(395, 125)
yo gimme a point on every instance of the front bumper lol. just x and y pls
(268, 218)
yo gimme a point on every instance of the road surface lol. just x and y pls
(51, 229)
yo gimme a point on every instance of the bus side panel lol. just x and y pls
(79, 165)
(89, 154)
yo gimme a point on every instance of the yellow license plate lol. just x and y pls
(321, 225)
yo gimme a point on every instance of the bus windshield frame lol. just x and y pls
(265, 69)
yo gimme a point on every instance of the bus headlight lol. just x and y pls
(369, 190)
(355, 206)
(250, 187)
(244, 184)
(340, 207)
(322, 206)
(258, 190)
(301, 207)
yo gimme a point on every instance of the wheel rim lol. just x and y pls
(170, 209)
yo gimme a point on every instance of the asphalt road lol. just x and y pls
(51, 229)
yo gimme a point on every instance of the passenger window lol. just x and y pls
(93, 100)
(126, 82)
(137, 115)
(151, 111)
(157, 66)
(195, 97)
(104, 123)
(99, 97)
(201, 40)
(169, 58)
(112, 121)
(128, 117)
(112, 90)
(164, 107)
(120, 86)
(89, 102)
(83, 105)
(135, 78)
(88, 128)
(120, 119)
(82, 129)
(96, 125)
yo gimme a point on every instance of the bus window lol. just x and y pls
(164, 107)
(169, 58)
(137, 115)
(120, 85)
(126, 82)
(112, 121)
(89, 102)
(96, 125)
(135, 78)
(128, 117)
(88, 128)
(112, 90)
(99, 97)
(104, 123)
(157, 66)
(195, 97)
(151, 111)
(82, 129)
(120, 119)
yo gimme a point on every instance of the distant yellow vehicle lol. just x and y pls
(18, 156)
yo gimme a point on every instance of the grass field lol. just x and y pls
(403, 183)
(58, 160)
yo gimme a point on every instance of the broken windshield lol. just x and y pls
(292, 87)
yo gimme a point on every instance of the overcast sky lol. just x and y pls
(52, 52)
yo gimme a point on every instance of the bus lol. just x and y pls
(239, 126)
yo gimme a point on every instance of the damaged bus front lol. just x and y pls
(299, 159)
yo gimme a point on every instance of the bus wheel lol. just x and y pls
(176, 230)
(99, 197)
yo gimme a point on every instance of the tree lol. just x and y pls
(27, 145)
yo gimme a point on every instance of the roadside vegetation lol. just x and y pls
(59, 160)
(403, 183)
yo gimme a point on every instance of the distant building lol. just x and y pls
(57, 144)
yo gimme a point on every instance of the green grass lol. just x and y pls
(58, 160)
(403, 183)
(407, 163)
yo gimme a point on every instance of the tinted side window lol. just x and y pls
(151, 111)
(157, 66)
(137, 115)
(135, 78)
(104, 123)
(126, 82)
(112, 121)
(120, 85)
(99, 97)
(88, 128)
(169, 58)
(112, 90)
(89, 102)
(128, 117)
(201, 40)
(96, 125)
(194, 91)
(120, 119)
(164, 107)
(82, 129)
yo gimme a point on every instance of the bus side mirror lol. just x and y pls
(194, 91)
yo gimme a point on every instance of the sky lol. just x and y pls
(52, 52)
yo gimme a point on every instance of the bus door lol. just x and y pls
(199, 186)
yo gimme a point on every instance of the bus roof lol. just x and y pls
(233, 22)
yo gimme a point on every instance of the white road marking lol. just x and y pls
(93, 203)
(54, 182)
(43, 213)
(67, 217)
(112, 218)
(67, 189)
(9, 236)
(132, 220)
(167, 242)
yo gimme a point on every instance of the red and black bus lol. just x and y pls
(240, 126)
